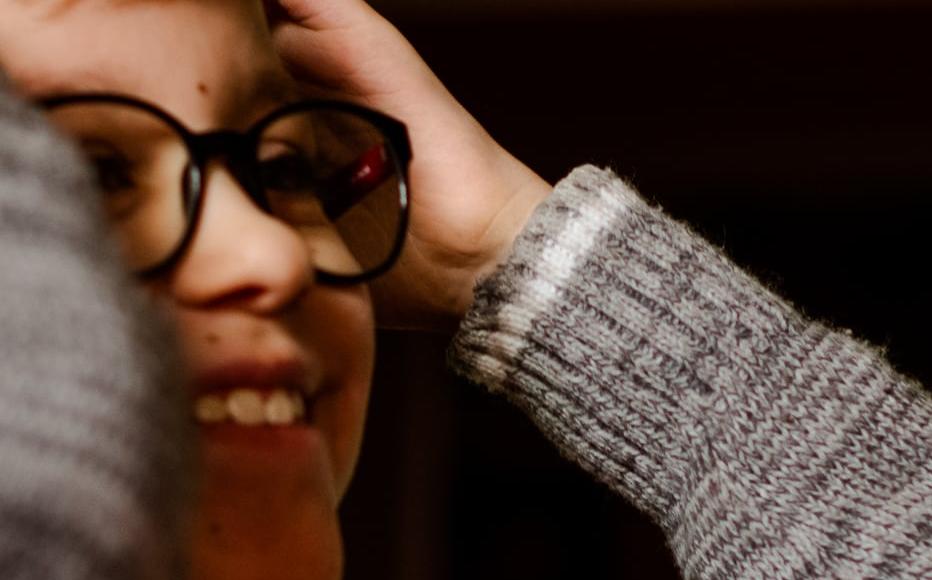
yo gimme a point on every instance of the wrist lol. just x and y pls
(528, 191)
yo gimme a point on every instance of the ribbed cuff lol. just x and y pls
(555, 329)
(758, 440)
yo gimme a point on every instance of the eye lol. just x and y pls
(112, 167)
(116, 178)
(287, 171)
(114, 173)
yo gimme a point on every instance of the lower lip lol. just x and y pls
(238, 459)
(264, 440)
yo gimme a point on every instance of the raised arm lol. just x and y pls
(764, 444)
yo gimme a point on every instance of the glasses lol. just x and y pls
(335, 172)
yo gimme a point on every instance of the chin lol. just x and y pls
(266, 514)
(269, 494)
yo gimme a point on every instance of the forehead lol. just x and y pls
(209, 62)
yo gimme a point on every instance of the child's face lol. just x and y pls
(249, 313)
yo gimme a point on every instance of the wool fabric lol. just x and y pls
(765, 445)
(95, 439)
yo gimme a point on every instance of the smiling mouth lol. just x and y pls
(250, 407)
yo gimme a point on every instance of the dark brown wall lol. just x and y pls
(799, 140)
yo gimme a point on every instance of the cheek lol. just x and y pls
(332, 325)
(340, 327)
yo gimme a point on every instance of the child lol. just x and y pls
(637, 348)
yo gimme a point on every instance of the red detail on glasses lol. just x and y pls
(356, 180)
(370, 169)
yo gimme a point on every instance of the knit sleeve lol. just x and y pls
(765, 445)
(93, 436)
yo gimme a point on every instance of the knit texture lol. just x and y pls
(93, 433)
(765, 445)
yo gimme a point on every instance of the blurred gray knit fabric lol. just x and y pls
(765, 445)
(93, 435)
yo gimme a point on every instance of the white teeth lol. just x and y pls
(210, 409)
(246, 407)
(249, 407)
(278, 409)
(298, 402)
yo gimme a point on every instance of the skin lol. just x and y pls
(470, 197)
(244, 287)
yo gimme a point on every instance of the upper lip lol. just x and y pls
(257, 374)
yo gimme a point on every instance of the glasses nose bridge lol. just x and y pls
(236, 151)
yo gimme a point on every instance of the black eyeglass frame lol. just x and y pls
(239, 148)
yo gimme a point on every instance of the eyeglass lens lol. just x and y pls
(329, 173)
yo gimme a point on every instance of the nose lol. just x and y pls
(240, 256)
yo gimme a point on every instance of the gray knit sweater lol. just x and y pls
(764, 444)
(94, 462)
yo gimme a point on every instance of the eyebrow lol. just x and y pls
(36, 87)
(270, 87)
(55, 8)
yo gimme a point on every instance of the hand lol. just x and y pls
(469, 196)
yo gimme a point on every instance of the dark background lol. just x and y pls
(796, 138)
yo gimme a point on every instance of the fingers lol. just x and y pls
(344, 49)
(320, 14)
(325, 42)
(363, 60)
